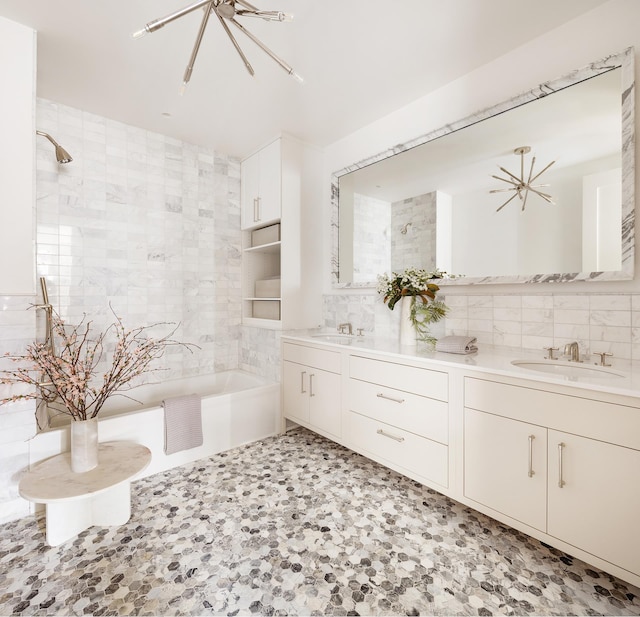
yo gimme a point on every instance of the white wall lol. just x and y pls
(607, 29)
(17, 96)
(17, 324)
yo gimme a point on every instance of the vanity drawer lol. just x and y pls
(310, 356)
(610, 422)
(399, 449)
(417, 414)
(424, 382)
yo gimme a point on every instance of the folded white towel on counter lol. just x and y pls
(182, 423)
(457, 344)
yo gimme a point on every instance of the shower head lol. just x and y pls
(61, 154)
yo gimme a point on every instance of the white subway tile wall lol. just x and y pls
(144, 224)
(598, 322)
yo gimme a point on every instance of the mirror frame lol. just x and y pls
(624, 60)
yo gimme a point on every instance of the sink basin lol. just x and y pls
(571, 370)
(342, 339)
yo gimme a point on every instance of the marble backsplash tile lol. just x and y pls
(599, 322)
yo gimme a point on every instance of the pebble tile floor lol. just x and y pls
(297, 525)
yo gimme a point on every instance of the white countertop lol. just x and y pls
(491, 359)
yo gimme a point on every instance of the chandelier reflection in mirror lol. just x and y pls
(521, 187)
(225, 11)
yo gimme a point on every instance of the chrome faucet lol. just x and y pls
(573, 351)
(345, 326)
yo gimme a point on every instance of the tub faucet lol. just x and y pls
(573, 351)
(345, 326)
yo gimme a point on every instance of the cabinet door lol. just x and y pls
(249, 191)
(325, 401)
(295, 391)
(505, 466)
(594, 497)
(270, 193)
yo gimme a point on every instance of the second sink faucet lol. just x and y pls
(573, 351)
(345, 326)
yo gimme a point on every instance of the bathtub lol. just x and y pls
(237, 408)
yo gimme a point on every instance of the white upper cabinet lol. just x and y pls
(261, 187)
(282, 249)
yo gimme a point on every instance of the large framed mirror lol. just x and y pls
(539, 188)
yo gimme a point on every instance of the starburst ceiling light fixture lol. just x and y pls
(225, 11)
(521, 187)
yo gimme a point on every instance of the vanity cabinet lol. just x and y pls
(594, 497)
(559, 462)
(260, 187)
(311, 386)
(565, 465)
(505, 466)
(398, 414)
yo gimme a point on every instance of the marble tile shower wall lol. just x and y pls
(413, 233)
(145, 223)
(599, 322)
(371, 236)
(260, 352)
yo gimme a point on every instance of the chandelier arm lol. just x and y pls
(544, 196)
(536, 189)
(508, 181)
(156, 24)
(264, 48)
(533, 162)
(236, 45)
(196, 45)
(266, 15)
(518, 180)
(541, 172)
(513, 188)
(524, 202)
(506, 202)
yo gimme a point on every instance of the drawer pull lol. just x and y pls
(389, 435)
(531, 472)
(561, 481)
(302, 374)
(390, 398)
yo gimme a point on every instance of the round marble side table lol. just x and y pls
(76, 501)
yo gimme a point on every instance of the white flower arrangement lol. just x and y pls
(416, 283)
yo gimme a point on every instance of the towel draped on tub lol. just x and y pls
(182, 423)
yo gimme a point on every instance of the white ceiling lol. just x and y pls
(361, 59)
